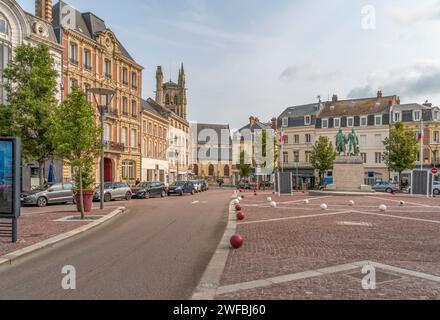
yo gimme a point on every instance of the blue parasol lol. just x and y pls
(51, 177)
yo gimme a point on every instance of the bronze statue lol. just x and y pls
(353, 144)
(340, 143)
(352, 140)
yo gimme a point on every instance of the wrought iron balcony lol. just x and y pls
(114, 146)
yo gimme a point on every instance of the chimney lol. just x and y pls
(335, 98)
(398, 100)
(251, 120)
(274, 123)
(379, 94)
(428, 104)
(43, 10)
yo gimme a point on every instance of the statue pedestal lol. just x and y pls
(349, 175)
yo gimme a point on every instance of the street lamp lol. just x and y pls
(108, 94)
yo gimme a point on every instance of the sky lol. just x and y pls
(258, 57)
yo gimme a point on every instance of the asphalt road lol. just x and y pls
(158, 249)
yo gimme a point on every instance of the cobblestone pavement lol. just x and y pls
(296, 237)
(38, 224)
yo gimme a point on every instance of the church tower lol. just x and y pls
(172, 95)
(159, 85)
(43, 10)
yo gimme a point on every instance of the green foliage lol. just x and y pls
(244, 167)
(401, 149)
(77, 138)
(31, 87)
(323, 156)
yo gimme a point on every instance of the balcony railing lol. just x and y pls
(108, 76)
(125, 82)
(112, 112)
(134, 116)
(125, 113)
(114, 146)
(87, 67)
(133, 86)
(73, 61)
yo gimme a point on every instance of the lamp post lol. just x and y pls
(108, 94)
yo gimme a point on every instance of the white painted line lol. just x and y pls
(414, 203)
(302, 200)
(295, 218)
(318, 273)
(195, 202)
(396, 217)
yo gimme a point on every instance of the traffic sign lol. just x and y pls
(434, 170)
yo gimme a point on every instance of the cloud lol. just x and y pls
(304, 72)
(417, 80)
(425, 13)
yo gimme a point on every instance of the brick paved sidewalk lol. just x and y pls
(38, 224)
(294, 239)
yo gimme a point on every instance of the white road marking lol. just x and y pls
(297, 217)
(318, 273)
(195, 202)
(398, 201)
(396, 217)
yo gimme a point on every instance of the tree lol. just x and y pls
(31, 87)
(244, 168)
(77, 137)
(323, 156)
(400, 149)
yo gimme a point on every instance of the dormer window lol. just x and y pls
(285, 122)
(308, 120)
(324, 123)
(378, 120)
(396, 117)
(337, 123)
(417, 116)
(350, 122)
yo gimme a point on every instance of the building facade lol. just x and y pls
(415, 118)
(298, 125)
(370, 118)
(18, 27)
(211, 152)
(94, 57)
(172, 96)
(155, 126)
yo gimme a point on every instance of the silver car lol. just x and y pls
(44, 195)
(114, 191)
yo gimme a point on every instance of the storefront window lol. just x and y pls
(128, 169)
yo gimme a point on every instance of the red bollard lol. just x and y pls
(238, 207)
(240, 215)
(236, 241)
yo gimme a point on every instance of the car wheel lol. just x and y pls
(41, 202)
(389, 190)
(128, 196)
(436, 192)
(163, 194)
(147, 195)
(107, 197)
(192, 192)
(181, 193)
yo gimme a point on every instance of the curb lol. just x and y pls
(11, 257)
(210, 282)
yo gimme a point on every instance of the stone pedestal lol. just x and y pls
(349, 174)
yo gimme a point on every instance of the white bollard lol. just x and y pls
(269, 199)
(351, 203)
(306, 201)
(402, 203)
(273, 204)
(383, 208)
(324, 206)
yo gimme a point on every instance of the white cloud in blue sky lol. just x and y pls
(258, 57)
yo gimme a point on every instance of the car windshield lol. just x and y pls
(41, 188)
(108, 186)
(178, 183)
(144, 184)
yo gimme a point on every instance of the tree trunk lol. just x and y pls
(41, 172)
(81, 197)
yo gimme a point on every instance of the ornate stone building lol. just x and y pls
(155, 124)
(94, 57)
(172, 96)
(18, 27)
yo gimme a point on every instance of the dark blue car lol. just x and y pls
(180, 188)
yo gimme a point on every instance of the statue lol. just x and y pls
(353, 141)
(340, 143)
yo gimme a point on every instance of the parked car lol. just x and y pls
(145, 190)
(197, 185)
(435, 188)
(266, 185)
(385, 186)
(114, 191)
(244, 184)
(180, 188)
(44, 195)
(204, 184)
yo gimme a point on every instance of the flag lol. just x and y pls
(280, 136)
(421, 134)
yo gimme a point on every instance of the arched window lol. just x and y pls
(3, 26)
(175, 100)
(5, 57)
(226, 171)
(211, 170)
(196, 170)
(167, 99)
(128, 169)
